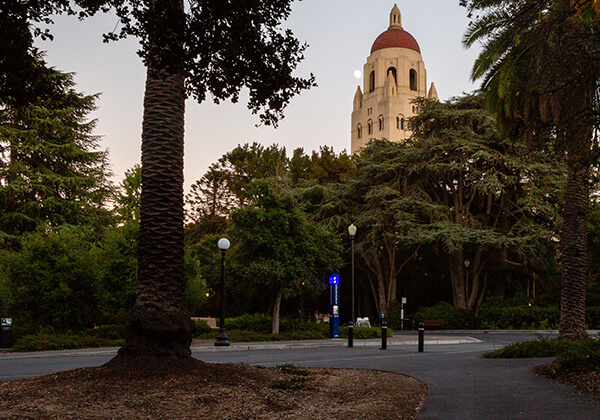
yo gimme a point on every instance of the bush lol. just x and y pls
(542, 347)
(518, 317)
(261, 323)
(592, 316)
(454, 318)
(53, 280)
(202, 327)
(243, 336)
(109, 332)
(579, 357)
(364, 332)
(570, 356)
(45, 341)
(116, 256)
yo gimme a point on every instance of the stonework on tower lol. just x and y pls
(392, 77)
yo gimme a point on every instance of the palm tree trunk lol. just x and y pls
(159, 325)
(159, 322)
(574, 245)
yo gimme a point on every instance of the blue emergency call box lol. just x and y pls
(334, 300)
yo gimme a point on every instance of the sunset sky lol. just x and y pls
(339, 33)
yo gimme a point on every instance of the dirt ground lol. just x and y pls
(214, 391)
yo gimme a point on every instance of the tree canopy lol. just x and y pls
(540, 70)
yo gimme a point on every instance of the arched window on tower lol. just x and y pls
(372, 82)
(370, 127)
(381, 123)
(400, 122)
(393, 70)
(359, 131)
(413, 79)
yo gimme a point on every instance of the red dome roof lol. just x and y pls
(395, 38)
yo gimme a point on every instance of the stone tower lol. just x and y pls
(393, 75)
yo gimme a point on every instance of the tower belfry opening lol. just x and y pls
(394, 75)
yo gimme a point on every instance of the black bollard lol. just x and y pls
(384, 336)
(350, 334)
(421, 337)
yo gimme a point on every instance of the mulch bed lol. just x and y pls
(587, 383)
(213, 391)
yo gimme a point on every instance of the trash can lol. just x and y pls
(6, 340)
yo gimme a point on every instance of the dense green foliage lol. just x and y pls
(530, 83)
(50, 168)
(518, 317)
(53, 279)
(570, 357)
(542, 347)
(454, 318)
(278, 251)
(63, 341)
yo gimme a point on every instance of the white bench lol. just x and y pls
(363, 322)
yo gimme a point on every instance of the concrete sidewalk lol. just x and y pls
(208, 346)
(399, 339)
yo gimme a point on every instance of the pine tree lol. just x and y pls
(51, 170)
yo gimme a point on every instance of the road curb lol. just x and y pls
(326, 344)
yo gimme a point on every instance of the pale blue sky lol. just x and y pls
(339, 33)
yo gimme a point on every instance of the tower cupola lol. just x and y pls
(394, 75)
(395, 18)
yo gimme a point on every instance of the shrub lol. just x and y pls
(45, 341)
(579, 357)
(518, 317)
(454, 317)
(364, 332)
(542, 347)
(202, 327)
(117, 283)
(109, 332)
(592, 315)
(53, 280)
(570, 356)
(250, 322)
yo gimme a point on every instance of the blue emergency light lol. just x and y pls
(334, 279)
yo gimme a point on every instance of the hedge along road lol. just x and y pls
(461, 384)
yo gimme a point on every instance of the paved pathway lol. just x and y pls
(461, 385)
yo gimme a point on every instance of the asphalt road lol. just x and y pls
(461, 385)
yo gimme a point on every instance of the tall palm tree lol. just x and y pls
(540, 71)
(214, 47)
(159, 322)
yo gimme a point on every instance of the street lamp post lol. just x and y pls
(352, 232)
(467, 264)
(223, 245)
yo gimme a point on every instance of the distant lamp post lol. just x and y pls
(467, 264)
(352, 233)
(223, 245)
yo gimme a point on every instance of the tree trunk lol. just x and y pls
(574, 247)
(159, 325)
(276, 309)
